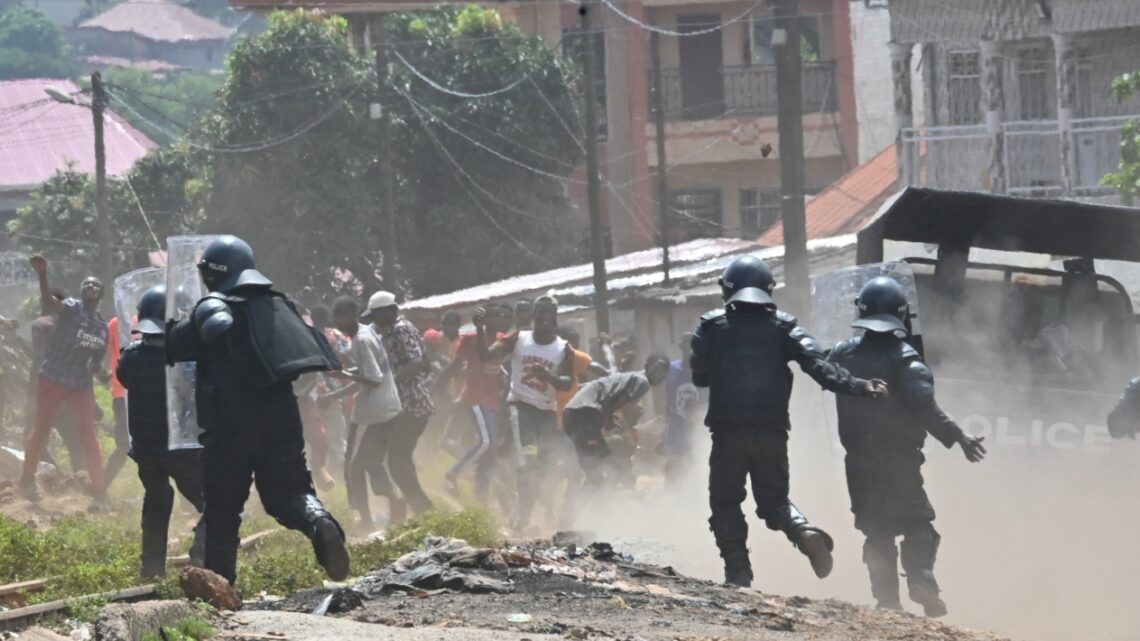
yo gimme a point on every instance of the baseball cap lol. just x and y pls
(379, 300)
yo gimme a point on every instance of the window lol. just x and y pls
(964, 77)
(759, 210)
(1033, 83)
(1084, 91)
(697, 211)
(761, 40)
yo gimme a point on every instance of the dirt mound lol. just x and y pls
(593, 592)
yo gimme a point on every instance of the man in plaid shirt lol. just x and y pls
(405, 347)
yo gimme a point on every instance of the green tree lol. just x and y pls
(159, 197)
(1127, 179)
(31, 46)
(290, 153)
(173, 101)
(483, 189)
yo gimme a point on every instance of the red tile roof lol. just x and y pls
(158, 21)
(849, 202)
(39, 136)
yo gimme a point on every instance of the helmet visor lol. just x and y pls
(882, 323)
(149, 326)
(751, 296)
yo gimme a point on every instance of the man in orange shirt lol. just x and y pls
(118, 405)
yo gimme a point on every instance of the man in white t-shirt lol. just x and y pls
(373, 414)
(541, 363)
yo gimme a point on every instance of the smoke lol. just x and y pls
(1037, 541)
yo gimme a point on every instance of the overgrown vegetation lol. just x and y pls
(94, 555)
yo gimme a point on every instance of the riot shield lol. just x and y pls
(128, 289)
(833, 299)
(183, 290)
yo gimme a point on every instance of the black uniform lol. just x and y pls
(742, 356)
(251, 434)
(1124, 420)
(142, 371)
(884, 440)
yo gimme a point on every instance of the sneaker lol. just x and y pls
(926, 595)
(328, 544)
(815, 548)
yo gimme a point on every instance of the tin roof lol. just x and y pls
(158, 21)
(39, 136)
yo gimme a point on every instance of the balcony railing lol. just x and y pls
(959, 157)
(744, 90)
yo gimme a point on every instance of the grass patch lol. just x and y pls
(185, 630)
(284, 563)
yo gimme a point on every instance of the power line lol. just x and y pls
(453, 92)
(478, 204)
(680, 34)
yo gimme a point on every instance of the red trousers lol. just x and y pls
(81, 402)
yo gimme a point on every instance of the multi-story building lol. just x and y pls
(1017, 93)
(719, 95)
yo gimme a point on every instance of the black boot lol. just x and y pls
(328, 545)
(738, 570)
(919, 550)
(815, 544)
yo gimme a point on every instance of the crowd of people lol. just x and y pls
(290, 400)
(516, 409)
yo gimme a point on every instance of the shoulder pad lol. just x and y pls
(784, 318)
(917, 371)
(846, 347)
(712, 315)
(212, 317)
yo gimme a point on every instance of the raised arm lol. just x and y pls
(1124, 420)
(50, 302)
(500, 349)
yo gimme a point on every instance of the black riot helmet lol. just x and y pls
(883, 307)
(152, 311)
(227, 264)
(748, 281)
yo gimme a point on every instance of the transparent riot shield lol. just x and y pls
(129, 288)
(183, 290)
(833, 299)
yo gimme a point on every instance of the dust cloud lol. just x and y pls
(1038, 543)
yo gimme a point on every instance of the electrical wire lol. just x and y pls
(680, 34)
(453, 92)
(474, 199)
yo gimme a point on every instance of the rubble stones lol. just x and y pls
(199, 583)
(130, 621)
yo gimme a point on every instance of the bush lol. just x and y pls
(184, 630)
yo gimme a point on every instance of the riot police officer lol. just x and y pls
(884, 443)
(249, 343)
(142, 371)
(741, 353)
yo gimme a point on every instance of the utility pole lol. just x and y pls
(659, 124)
(789, 92)
(597, 242)
(382, 112)
(102, 217)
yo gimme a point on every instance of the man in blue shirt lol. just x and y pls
(682, 402)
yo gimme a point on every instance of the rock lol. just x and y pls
(339, 602)
(130, 621)
(40, 634)
(199, 583)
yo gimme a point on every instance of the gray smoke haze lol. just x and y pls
(1038, 543)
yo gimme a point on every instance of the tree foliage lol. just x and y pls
(482, 178)
(1126, 180)
(159, 197)
(173, 101)
(31, 46)
(290, 168)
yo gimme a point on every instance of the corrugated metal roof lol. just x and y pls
(968, 21)
(626, 265)
(158, 21)
(39, 136)
(849, 202)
